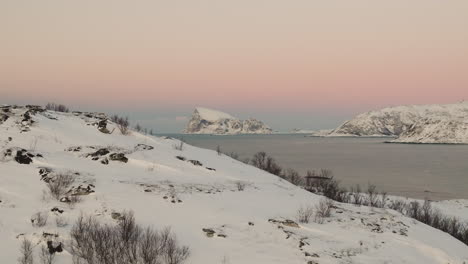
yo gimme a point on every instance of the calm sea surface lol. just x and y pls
(420, 171)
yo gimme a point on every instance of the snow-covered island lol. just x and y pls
(209, 121)
(223, 210)
(446, 124)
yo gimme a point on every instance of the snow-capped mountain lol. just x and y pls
(208, 121)
(412, 124)
(194, 191)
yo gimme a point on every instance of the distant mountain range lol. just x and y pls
(209, 121)
(412, 124)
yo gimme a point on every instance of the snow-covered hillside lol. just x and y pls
(208, 121)
(412, 124)
(194, 191)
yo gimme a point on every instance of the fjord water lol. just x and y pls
(419, 171)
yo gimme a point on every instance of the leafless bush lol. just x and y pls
(240, 185)
(304, 214)
(323, 210)
(413, 209)
(126, 242)
(59, 185)
(264, 162)
(358, 197)
(398, 205)
(372, 195)
(39, 219)
(26, 252)
(47, 257)
(179, 146)
(57, 107)
(138, 128)
(218, 150)
(122, 124)
(293, 177)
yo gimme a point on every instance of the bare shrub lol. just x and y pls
(293, 177)
(218, 150)
(138, 128)
(26, 252)
(304, 214)
(382, 202)
(58, 186)
(126, 242)
(57, 107)
(264, 162)
(413, 210)
(179, 146)
(39, 219)
(175, 254)
(240, 185)
(358, 197)
(47, 257)
(398, 205)
(122, 124)
(372, 195)
(323, 210)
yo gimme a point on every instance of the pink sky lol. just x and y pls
(246, 54)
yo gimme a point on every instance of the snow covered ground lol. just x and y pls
(163, 190)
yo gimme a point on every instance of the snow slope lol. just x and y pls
(213, 115)
(208, 121)
(412, 124)
(203, 198)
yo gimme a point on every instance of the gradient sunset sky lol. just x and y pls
(296, 63)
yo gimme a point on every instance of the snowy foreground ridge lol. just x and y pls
(208, 121)
(194, 191)
(412, 124)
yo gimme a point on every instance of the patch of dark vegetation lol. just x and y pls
(125, 242)
(57, 107)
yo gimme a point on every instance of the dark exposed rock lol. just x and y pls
(100, 152)
(209, 232)
(82, 190)
(211, 169)
(22, 156)
(286, 222)
(105, 161)
(181, 158)
(54, 249)
(56, 209)
(119, 157)
(74, 149)
(140, 147)
(196, 162)
(44, 173)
